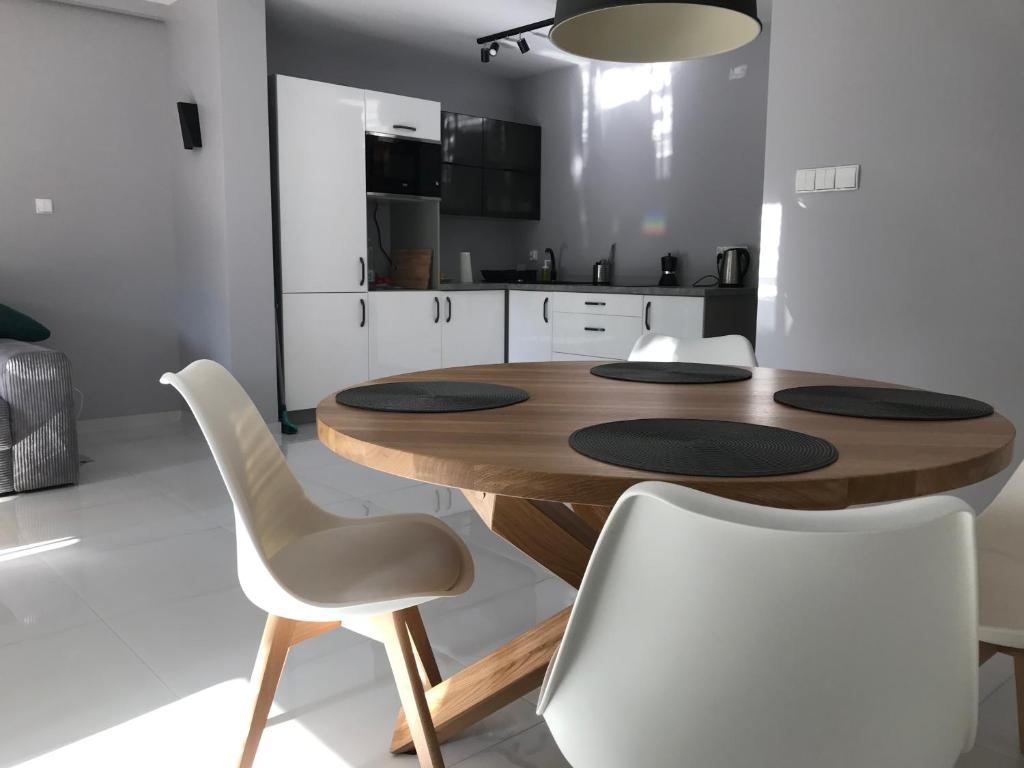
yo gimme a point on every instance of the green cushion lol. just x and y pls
(15, 325)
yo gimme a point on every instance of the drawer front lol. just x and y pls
(627, 305)
(610, 336)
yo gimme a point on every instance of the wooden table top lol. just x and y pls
(523, 450)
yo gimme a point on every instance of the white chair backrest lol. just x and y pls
(714, 634)
(717, 350)
(271, 509)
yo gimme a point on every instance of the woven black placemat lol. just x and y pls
(431, 396)
(671, 373)
(703, 448)
(884, 403)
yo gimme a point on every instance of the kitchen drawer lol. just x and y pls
(627, 305)
(609, 336)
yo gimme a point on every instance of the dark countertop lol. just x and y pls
(647, 290)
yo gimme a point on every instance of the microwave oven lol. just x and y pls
(397, 166)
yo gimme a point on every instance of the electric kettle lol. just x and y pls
(733, 264)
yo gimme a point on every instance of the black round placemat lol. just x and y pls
(884, 403)
(671, 373)
(431, 396)
(703, 448)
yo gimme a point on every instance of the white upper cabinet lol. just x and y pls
(321, 181)
(405, 332)
(679, 316)
(474, 328)
(529, 326)
(405, 116)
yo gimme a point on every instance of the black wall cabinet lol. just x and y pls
(490, 167)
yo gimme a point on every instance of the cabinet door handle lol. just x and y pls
(546, 310)
(647, 316)
(362, 303)
(437, 310)
(595, 303)
(362, 271)
(448, 307)
(400, 127)
(599, 330)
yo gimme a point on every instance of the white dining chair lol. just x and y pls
(715, 350)
(312, 571)
(709, 633)
(1001, 583)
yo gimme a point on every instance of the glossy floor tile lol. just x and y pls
(125, 639)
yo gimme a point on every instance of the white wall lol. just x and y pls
(917, 277)
(222, 192)
(89, 121)
(657, 158)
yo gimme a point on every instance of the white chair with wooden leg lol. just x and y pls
(312, 571)
(708, 633)
(1001, 583)
(715, 350)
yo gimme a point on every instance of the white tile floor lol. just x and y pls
(125, 640)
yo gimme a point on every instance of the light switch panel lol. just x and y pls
(848, 177)
(824, 179)
(805, 180)
(44, 205)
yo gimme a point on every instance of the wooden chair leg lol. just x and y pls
(277, 639)
(421, 644)
(1018, 674)
(395, 632)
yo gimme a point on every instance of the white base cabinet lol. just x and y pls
(326, 345)
(529, 326)
(405, 332)
(679, 316)
(473, 332)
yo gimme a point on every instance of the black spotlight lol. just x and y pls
(524, 46)
(494, 49)
(485, 55)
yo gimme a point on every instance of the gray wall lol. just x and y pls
(917, 277)
(222, 192)
(656, 158)
(334, 55)
(89, 121)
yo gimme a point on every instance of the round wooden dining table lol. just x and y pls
(516, 468)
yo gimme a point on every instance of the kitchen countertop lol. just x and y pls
(649, 290)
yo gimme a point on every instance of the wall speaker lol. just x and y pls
(188, 116)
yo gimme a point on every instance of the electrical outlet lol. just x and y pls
(44, 205)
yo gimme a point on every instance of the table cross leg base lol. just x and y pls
(561, 540)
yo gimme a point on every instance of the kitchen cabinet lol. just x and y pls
(326, 345)
(394, 115)
(679, 316)
(321, 186)
(511, 146)
(405, 332)
(462, 139)
(473, 332)
(462, 190)
(491, 167)
(511, 194)
(529, 326)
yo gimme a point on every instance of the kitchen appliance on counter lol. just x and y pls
(733, 264)
(669, 271)
(399, 166)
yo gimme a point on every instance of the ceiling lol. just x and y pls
(446, 27)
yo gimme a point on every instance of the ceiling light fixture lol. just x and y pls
(647, 31)
(494, 49)
(508, 34)
(524, 47)
(485, 56)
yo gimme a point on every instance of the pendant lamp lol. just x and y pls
(654, 30)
